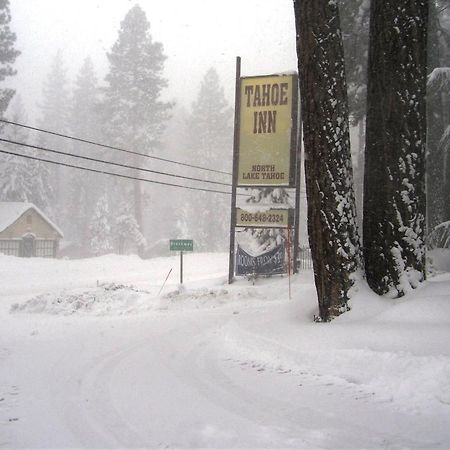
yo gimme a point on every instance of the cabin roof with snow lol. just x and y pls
(10, 212)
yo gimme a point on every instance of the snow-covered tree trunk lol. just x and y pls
(332, 225)
(394, 184)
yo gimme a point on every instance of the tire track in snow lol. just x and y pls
(353, 405)
(176, 388)
(86, 408)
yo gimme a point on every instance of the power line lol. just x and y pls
(129, 177)
(105, 172)
(86, 141)
(126, 166)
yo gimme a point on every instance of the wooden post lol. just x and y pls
(289, 258)
(237, 108)
(298, 171)
(162, 287)
(181, 267)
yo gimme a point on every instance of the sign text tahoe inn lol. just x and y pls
(266, 140)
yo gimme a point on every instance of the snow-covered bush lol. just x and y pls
(126, 232)
(100, 228)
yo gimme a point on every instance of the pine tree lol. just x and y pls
(100, 228)
(126, 231)
(54, 116)
(85, 187)
(332, 225)
(134, 114)
(22, 179)
(8, 54)
(394, 184)
(16, 173)
(209, 139)
(169, 202)
(42, 191)
(55, 97)
(84, 115)
(15, 176)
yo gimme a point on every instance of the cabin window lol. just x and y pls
(10, 247)
(29, 219)
(45, 248)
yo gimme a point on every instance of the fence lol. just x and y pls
(304, 259)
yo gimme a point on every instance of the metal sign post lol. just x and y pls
(181, 245)
(289, 258)
(181, 267)
(237, 118)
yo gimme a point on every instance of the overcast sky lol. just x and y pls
(196, 34)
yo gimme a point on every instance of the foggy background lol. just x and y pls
(195, 35)
(200, 39)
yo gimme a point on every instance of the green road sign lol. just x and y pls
(182, 245)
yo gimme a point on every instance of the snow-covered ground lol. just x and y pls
(92, 357)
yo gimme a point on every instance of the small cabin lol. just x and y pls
(26, 231)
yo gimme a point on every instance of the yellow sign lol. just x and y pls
(267, 138)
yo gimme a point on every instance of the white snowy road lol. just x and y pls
(165, 382)
(218, 367)
(110, 387)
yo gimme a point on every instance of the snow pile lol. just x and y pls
(106, 299)
(210, 298)
(117, 299)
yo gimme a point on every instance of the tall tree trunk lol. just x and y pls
(137, 197)
(394, 185)
(332, 225)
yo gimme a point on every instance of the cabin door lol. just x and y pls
(28, 246)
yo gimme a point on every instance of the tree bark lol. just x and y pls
(332, 225)
(394, 182)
